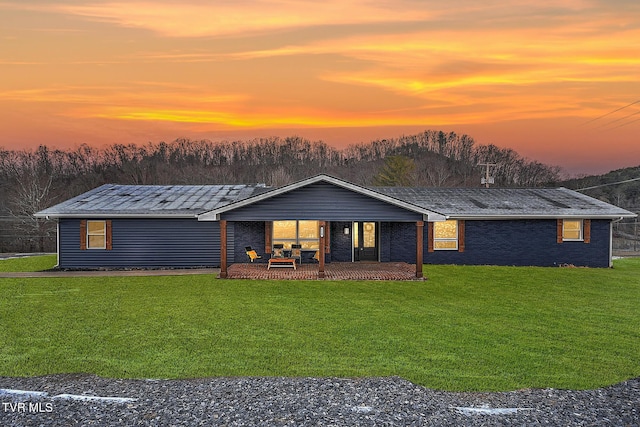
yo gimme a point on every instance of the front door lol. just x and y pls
(365, 241)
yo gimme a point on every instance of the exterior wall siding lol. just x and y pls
(341, 244)
(321, 201)
(147, 243)
(505, 242)
(501, 242)
(384, 241)
(402, 244)
(189, 243)
(524, 243)
(248, 233)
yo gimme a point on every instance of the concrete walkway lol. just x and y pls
(112, 273)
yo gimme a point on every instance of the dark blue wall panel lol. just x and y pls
(322, 201)
(384, 241)
(341, 244)
(189, 243)
(506, 242)
(147, 243)
(525, 243)
(249, 233)
(402, 242)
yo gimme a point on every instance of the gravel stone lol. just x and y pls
(389, 401)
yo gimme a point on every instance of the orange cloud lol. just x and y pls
(197, 19)
(146, 67)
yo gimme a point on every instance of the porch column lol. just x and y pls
(419, 247)
(323, 234)
(223, 248)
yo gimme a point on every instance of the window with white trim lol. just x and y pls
(96, 235)
(445, 235)
(572, 230)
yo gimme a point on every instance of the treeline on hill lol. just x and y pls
(620, 187)
(31, 180)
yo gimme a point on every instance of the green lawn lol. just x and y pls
(466, 328)
(34, 263)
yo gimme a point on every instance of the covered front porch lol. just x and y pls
(339, 250)
(332, 271)
(333, 220)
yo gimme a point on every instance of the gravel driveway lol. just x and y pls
(84, 400)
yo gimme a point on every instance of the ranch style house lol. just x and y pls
(331, 220)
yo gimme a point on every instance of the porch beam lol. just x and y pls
(223, 248)
(419, 248)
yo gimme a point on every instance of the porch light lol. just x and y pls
(346, 230)
(321, 231)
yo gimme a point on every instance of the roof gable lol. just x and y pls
(215, 214)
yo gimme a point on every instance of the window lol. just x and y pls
(571, 229)
(96, 235)
(445, 235)
(303, 233)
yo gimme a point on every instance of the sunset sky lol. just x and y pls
(556, 80)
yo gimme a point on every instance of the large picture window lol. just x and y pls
(445, 235)
(303, 233)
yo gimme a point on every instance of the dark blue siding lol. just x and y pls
(525, 243)
(189, 243)
(402, 242)
(322, 201)
(505, 242)
(384, 241)
(249, 233)
(147, 243)
(341, 244)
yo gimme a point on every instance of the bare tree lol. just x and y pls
(436, 173)
(32, 192)
(279, 177)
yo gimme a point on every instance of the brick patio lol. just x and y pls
(333, 271)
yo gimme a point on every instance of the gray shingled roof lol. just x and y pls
(192, 200)
(151, 200)
(506, 202)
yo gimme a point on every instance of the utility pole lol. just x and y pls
(487, 179)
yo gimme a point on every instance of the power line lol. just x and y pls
(606, 185)
(620, 119)
(624, 124)
(611, 112)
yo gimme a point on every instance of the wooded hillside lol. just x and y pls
(31, 180)
(619, 187)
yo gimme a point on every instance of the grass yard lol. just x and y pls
(33, 263)
(466, 328)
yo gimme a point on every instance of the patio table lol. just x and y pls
(282, 262)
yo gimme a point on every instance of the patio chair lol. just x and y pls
(251, 253)
(296, 252)
(278, 251)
